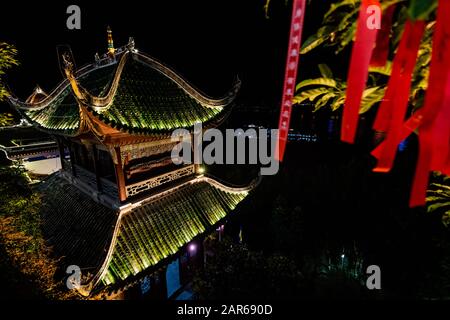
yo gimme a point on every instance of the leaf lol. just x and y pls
(420, 9)
(387, 3)
(436, 206)
(338, 102)
(266, 9)
(371, 96)
(312, 42)
(326, 82)
(335, 6)
(324, 100)
(347, 37)
(398, 26)
(442, 186)
(325, 71)
(348, 19)
(385, 70)
(310, 95)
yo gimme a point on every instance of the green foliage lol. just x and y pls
(6, 119)
(438, 198)
(27, 261)
(7, 60)
(324, 91)
(338, 30)
(338, 26)
(18, 202)
(235, 272)
(420, 9)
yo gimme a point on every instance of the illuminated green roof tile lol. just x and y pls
(63, 113)
(145, 101)
(148, 101)
(160, 228)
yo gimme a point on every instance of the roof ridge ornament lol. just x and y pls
(38, 90)
(69, 71)
(131, 44)
(68, 64)
(37, 95)
(236, 86)
(97, 59)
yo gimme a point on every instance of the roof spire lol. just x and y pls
(37, 95)
(111, 49)
(97, 59)
(38, 90)
(130, 43)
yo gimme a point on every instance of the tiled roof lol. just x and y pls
(143, 97)
(146, 100)
(76, 226)
(157, 230)
(62, 114)
(110, 246)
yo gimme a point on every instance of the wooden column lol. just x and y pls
(120, 178)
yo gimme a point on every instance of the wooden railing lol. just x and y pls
(135, 188)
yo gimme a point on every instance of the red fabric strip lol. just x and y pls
(446, 169)
(398, 91)
(441, 131)
(439, 71)
(408, 127)
(298, 13)
(381, 51)
(358, 71)
(384, 113)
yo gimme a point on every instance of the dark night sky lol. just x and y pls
(208, 42)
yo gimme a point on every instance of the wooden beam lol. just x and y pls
(120, 177)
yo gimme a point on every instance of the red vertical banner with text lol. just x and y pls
(298, 13)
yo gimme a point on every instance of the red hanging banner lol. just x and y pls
(441, 132)
(359, 69)
(391, 113)
(381, 51)
(429, 133)
(298, 13)
(432, 119)
(406, 56)
(409, 126)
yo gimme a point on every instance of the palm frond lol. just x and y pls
(325, 82)
(371, 96)
(310, 95)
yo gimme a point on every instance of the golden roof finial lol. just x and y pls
(111, 49)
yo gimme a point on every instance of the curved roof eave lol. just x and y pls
(87, 288)
(100, 103)
(96, 103)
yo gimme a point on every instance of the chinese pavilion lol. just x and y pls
(120, 207)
